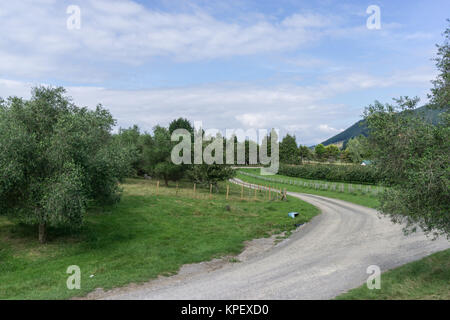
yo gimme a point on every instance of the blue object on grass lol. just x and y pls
(293, 214)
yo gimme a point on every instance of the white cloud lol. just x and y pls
(344, 82)
(252, 120)
(35, 40)
(35, 44)
(329, 130)
(300, 110)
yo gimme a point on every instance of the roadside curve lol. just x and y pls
(322, 259)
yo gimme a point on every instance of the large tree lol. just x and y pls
(358, 149)
(415, 155)
(181, 123)
(133, 140)
(157, 155)
(304, 153)
(332, 152)
(289, 152)
(211, 171)
(55, 157)
(206, 174)
(320, 152)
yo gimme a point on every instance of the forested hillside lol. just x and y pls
(360, 127)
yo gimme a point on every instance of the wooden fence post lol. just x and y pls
(157, 188)
(194, 190)
(242, 191)
(210, 191)
(228, 190)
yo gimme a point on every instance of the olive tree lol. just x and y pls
(415, 155)
(56, 157)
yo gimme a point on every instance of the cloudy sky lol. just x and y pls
(305, 67)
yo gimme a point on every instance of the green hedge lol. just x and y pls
(330, 172)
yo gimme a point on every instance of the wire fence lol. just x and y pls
(321, 185)
(222, 191)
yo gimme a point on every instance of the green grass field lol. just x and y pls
(358, 197)
(154, 231)
(425, 279)
(143, 236)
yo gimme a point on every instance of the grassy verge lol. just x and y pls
(425, 279)
(152, 231)
(357, 197)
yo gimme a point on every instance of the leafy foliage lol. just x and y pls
(331, 172)
(332, 152)
(289, 152)
(415, 155)
(440, 93)
(358, 149)
(304, 153)
(320, 151)
(210, 173)
(157, 156)
(55, 157)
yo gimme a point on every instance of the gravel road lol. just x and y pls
(324, 258)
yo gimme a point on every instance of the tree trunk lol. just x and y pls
(166, 181)
(42, 233)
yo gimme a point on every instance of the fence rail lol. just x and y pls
(320, 185)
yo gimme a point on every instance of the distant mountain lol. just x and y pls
(360, 127)
(342, 138)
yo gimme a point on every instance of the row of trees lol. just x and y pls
(151, 155)
(152, 152)
(57, 158)
(333, 172)
(356, 150)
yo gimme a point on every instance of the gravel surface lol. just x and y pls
(322, 259)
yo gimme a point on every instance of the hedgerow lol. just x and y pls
(330, 172)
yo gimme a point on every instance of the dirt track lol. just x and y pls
(322, 259)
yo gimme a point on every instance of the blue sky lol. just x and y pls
(305, 67)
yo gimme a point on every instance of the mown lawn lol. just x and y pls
(357, 197)
(143, 236)
(425, 279)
